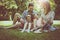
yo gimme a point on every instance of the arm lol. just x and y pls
(23, 15)
(50, 21)
(35, 20)
(43, 21)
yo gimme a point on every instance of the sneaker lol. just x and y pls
(38, 31)
(22, 31)
(45, 30)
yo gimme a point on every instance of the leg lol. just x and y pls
(29, 27)
(35, 21)
(15, 26)
(25, 25)
(46, 27)
(35, 28)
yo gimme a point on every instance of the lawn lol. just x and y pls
(10, 34)
(9, 23)
(14, 34)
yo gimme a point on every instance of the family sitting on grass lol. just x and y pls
(31, 21)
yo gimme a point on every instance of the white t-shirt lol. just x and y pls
(49, 16)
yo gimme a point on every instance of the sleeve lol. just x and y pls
(23, 15)
(52, 15)
(35, 13)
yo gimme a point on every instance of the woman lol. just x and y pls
(47, 17)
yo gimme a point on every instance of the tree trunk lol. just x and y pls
(57, 10)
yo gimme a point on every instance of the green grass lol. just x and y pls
(9, 23)
(15, 34)
(56, 22)
(25, 36)
(11, 34)
(6, 23)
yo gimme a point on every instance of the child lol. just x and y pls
(17, 21)
(27, 23)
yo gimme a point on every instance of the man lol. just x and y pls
(29, 11)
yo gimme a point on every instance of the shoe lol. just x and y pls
(45, 30)
(37, 31)
(22, 31)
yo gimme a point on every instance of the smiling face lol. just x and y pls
(28, 18)
(30, 8)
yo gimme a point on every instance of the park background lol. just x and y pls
(9, 7)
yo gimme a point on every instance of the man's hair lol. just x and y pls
(30, 4)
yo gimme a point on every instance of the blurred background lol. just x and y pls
(9, 7)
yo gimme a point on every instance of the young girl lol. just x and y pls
(16, 18)
(17, 21)
(28, 24)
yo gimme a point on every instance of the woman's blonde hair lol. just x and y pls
(47, 5)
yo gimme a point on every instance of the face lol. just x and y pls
(36, 16)
(30, 8)
(28, 18)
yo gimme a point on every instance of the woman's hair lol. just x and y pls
(47, 5)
